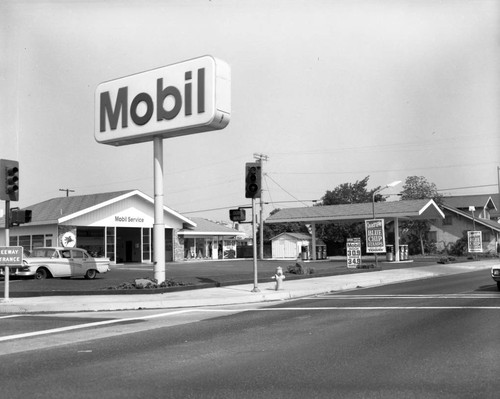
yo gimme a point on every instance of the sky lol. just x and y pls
(330, 91)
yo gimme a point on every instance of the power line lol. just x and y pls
(464, 188)
(291, 195)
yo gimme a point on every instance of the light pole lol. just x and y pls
(472, 209)
(392, 184)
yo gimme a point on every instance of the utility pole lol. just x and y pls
(67, 191)
(260, 158)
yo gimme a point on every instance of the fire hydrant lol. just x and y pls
(279, 277)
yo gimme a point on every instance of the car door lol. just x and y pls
(77, 262)
(61, 266)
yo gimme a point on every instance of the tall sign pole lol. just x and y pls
(159, 225)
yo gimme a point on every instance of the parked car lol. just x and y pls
(495, 273)
(61, 262)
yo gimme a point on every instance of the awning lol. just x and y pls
(408, 209)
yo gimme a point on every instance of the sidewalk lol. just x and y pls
(235, 294)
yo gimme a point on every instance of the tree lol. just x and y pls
(417, 187)
(346, 193)
(272, 230)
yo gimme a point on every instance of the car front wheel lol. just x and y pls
(41, 274)
(91, 273)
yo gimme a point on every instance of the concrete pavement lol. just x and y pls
(235, 294)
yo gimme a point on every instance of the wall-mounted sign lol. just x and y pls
(68, 239)
(375, 236)
(475, 241)
(185, 98)
(353, 249)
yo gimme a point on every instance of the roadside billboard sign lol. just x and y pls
(189, 97)
(375, 236)
(353, 252)
(474, 241)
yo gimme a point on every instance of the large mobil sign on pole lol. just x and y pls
(184, 98)
(189, 97)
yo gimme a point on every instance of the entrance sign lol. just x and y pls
(11, 256)
(375, 236)
(189, 97)
(474, 241)
(353, 252)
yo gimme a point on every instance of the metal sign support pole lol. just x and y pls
(159, 225)
(254, 233)
(6, 270)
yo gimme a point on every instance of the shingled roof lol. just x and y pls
(58, 209)
(409, 209)
(464, 201)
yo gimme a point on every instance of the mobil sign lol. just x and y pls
(189, 97)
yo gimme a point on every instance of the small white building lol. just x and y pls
(296, 245)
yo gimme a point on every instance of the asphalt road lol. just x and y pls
(435, 338)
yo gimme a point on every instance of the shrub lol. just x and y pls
(300, 268)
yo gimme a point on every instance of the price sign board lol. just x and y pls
(353, 248)
(475, 241)
(375, 236)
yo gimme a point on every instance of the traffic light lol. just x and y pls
(253, 180)
(20, 216)
(9, 179)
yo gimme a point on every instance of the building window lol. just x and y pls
(110, 243)
(37, 241)
(448, 220)
(432, 236)
(146, 244)
(486, 236)
(25, 242)
(13, 241)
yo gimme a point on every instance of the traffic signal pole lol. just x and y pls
(254, 247)
(6, 270)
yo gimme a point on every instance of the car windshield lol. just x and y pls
(44, 253)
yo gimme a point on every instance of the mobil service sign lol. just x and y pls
(189, 97)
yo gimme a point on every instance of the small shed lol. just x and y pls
(296, 245)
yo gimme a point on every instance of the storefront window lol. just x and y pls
(37, 241)
(13, 241)
(146, 244)
(110, 243)
(25, 242)
(189, 248)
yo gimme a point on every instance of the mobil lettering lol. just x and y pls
(179, 99)
(119, 110)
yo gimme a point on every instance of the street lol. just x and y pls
(434, 338)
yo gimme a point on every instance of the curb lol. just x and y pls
(231, 294)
